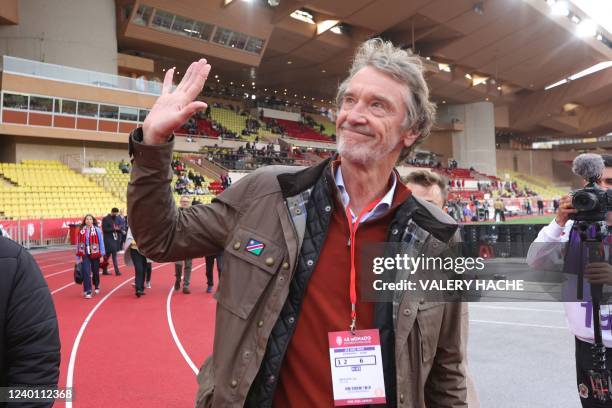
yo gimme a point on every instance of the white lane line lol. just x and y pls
(77, 340)
(527, 309)
(62, 288)
(72, 269)
(55, 264)
(65, 286)
(57, 273)
(46, 262)
(55, 255)
(178, 343)
(519, 324)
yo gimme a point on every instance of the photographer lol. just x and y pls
(578, 313)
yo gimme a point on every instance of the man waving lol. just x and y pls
(292, 239)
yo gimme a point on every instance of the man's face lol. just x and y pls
(369, 126)
(431, 193)
(606, 178)
(185, 202)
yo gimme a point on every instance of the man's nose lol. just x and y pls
(356, 114)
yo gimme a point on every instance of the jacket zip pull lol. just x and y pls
(348, 242)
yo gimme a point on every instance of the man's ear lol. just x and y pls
(409, 137)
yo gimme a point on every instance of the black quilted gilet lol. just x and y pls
(261, 393)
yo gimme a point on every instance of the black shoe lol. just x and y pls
(105, 272)
(177, 284)
(186, 290)
(140, 293)
(118, 274)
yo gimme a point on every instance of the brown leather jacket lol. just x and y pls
(252, 290)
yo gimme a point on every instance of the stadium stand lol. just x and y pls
(329, 128)
(116, 182)
(540, 185)
(298, 130)
(50, 189)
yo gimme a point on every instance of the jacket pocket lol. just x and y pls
(206, 383)
(250, 261)
(429, 321)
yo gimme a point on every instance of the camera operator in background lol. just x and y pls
(579, 314)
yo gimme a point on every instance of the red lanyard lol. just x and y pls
(353, 241)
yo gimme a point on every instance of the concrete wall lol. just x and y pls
(76, 33)
(540, 163)
(7, 149)
(475, 144)
(440, 143)
(278, 114)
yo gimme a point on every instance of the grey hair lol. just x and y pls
(405, 68)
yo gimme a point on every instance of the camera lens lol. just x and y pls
(584, 201)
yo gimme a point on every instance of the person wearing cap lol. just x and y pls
(112, 226)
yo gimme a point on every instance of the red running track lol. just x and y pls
(122, 351)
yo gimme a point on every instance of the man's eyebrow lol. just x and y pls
(377, 96)
(382, 98)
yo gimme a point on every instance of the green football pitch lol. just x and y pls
(545, 219)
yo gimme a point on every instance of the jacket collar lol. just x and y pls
(292, 184)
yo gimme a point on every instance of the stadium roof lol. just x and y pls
(503, 51)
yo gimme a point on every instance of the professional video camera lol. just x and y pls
(592, 201)
(593, 204)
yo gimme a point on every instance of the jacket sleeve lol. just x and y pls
(101, 241)
(548, 250)
(32, 334)
(447, 385)
(107, 225)
(162, 233)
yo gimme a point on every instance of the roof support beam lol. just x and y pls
(534, 108)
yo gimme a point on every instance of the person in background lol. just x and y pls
(29, 334)
(499, 209)
(432, 187)
(142, 266)
(90, 248)
(4, 233)
(124, 167)
(210, 264)
(540, 206)
(124, 227)
(178, 266)
(553, 247)
(111, 227)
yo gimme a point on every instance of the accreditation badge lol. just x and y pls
(356, 368)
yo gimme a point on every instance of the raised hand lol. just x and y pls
(173, 108)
